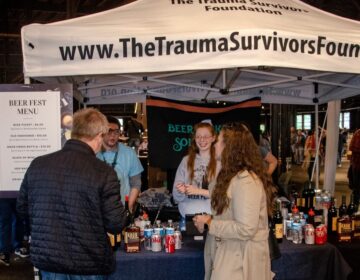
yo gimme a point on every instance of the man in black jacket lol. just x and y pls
(72, 200)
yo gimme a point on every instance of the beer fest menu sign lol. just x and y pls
(29, 128)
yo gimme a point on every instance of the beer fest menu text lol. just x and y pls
(29, 128)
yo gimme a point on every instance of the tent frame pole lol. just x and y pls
(317, 145)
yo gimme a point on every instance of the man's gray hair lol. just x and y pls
(88, 123)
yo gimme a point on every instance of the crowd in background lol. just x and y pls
(303, 147)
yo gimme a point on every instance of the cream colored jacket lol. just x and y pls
(237, 241)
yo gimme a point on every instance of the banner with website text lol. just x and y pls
(151, 36)
(170, 125)
(35, 120)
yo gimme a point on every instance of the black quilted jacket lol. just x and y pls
(71, 199)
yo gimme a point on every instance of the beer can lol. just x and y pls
(309, 234)
(156, 242)
(296, 232)
(170, 243)
(178, 239)
(288, 229)
(320, 234)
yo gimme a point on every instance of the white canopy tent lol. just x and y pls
(200, 50)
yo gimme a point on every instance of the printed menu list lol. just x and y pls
(30, 128)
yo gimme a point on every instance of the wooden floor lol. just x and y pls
(19, 269)
(299, 176)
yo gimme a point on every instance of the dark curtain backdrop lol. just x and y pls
(170, 125)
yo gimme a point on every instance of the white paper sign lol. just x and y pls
(29, 128)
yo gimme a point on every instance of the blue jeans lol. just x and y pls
(11, 227)
(45, 275)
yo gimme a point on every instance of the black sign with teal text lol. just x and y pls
(170, 125)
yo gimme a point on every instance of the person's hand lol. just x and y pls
(200, 221)
(181, 188)
(191, 190)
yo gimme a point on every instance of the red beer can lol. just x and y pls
(320, 234)
(169, 243)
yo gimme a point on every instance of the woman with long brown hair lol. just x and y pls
(195, 171)
(237, 241)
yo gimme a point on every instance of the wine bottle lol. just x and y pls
(332, 219)
(278, 222)
(126, 202)
(305, 198)
(310, 197)
(311, 217)
(356, 225)
(351, 208)
(294, 197)
(342, 208)
(294, 209)
(298, 200)
(115, 240)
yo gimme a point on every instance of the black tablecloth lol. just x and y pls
(351, 253)
(312, 262)
(186, 263)
(298, 262)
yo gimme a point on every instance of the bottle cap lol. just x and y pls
(295, 210)
(311, 212)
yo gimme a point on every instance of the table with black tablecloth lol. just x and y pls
(302, 262)
(351, 253)
(186, 263)
(298, 262)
